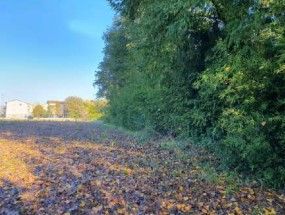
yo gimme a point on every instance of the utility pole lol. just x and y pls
(2, 106)
(2, 99)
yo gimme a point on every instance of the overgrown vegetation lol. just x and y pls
(209, 70)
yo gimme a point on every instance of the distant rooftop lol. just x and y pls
(17, 100)
(54, 101)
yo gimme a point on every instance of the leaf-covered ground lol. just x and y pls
(89, 168)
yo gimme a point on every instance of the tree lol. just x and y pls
(75, 108)
(59, 110)
(55, 109)
(39, 111)
(95, 109)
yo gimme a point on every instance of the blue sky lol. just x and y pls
(49, 49)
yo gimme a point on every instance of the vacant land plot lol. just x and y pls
(89, 168)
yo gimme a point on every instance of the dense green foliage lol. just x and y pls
(211, 70)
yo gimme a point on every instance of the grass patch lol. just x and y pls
(142, 137)
(208, 169)
(230, 180)
(169, 145)
(145, 136)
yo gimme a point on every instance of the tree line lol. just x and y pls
(73, 107)
(209, 70)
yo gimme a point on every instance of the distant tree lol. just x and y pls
(39, 111)
(95, 109)
(59, 110)
(55, 109)
(50, 111)
(75, 108)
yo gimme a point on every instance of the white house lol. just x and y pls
(17, 109)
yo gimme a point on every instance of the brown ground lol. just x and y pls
(89, 168)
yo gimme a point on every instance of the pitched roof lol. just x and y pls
(18, 101)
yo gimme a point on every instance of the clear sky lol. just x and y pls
(49, 49)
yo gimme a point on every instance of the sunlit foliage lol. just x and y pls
(77, 108)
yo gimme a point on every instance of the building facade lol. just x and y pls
(17, 109)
